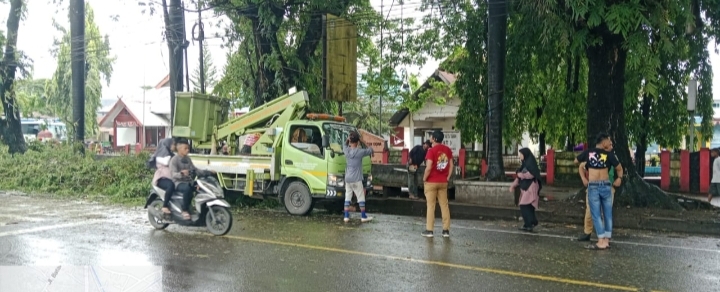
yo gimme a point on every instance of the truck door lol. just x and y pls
(303, 157)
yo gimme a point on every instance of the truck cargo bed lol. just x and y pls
(395, 176)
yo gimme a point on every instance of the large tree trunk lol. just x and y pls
(541, 134)
(12, 134)
(605, 113)
(572, 85)
(497, 28)
(569, 139)
(643, 138)
(265, 39)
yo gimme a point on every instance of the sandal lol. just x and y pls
(166, 210)
(186, 215)
(595, 247)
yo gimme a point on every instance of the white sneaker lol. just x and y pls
(368, 219)
(346, 219)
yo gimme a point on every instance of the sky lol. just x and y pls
(137, 43)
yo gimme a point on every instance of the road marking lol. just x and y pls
(21, 218)
(44, 228)
(561, 236)
(437, 263)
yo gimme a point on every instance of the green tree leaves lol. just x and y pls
(209, 73)
(99, 69)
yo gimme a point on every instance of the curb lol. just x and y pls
(409, 207)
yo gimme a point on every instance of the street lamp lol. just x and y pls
(691, 102)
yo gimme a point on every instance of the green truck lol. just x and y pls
(297, 158)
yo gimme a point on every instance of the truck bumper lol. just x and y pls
(334, 193)
(338, 193)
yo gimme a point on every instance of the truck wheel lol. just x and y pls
(297, 199)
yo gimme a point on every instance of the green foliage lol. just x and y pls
(279, 46)
(364, 115)
(58, 170)
(374, 87)
(433, 91)
(30, 96)
(98, 69)
(209, 72)
(471, 66)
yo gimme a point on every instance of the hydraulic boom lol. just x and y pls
(206, 127)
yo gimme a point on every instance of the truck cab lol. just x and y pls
(315, 148)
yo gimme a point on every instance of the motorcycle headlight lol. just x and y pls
(336, 180)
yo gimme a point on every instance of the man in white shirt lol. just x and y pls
(715, 182)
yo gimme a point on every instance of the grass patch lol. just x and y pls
(58, 171)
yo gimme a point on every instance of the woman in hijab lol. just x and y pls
(528, 179)
(160, 160)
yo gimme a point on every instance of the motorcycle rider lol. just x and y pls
(181, 167)
(160, 160)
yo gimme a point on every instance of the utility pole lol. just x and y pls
(175, 34)
(77, 47)
(185, 57)
(200, 37)
(382, 47)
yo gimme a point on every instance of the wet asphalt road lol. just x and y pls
(272, 251)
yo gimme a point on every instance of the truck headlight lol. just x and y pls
(336, 180)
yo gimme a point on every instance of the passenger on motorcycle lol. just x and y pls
(160, 160)
(182, 169)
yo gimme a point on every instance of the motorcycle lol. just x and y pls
(210, 210)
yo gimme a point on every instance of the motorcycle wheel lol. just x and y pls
(156, 205)
(223, 223)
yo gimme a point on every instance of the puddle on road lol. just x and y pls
(122, 258)
(42, 251)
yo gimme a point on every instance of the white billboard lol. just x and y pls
(452, 140)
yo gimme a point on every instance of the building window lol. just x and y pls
(153, 135)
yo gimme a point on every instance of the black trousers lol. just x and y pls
(187, 191)
(169, 187)
(245, 149)
(528, 215)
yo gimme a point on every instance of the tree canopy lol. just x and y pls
(98, 68)
(209, 72)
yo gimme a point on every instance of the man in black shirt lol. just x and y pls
(415, 159)
(588, 225)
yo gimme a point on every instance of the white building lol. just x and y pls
(412, 127)
(143, 119)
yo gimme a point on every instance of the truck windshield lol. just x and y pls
(338, 135)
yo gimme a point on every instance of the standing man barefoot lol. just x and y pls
(588, 226)
(598, 162)
(438, 170)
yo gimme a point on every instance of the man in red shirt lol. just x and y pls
(438, 170)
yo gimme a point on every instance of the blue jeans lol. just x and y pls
(600, 201)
